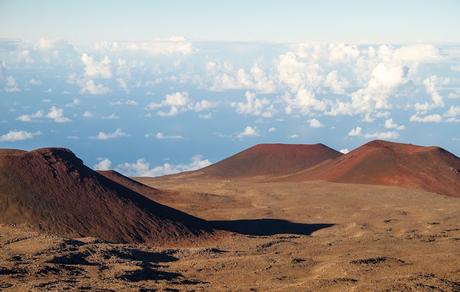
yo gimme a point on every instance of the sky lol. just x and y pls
(366, 21)
(156, 87)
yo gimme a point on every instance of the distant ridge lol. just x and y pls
(271, 160)
(51, 190)
(387, 163)
(138, 187)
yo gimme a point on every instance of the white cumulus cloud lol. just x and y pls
(304, 100)
(11, 85)
(223, 76)
(129, 102)
(118, 133)
(344, 151)
(57, 115)
(142, 168)
(165, 47)
(336, 83)
(87, 114)
(390, 124)
(382, 135)
(91, 87)
(94, 69)
(358, 131)
(34, 81)
(162, 136)
(453, 112)
(314, 123)
(103, 164)
(15, 135)
(31, 117)
(178, 102)
(433, 118)
(431, 85)
(248, 132)
(254, 106)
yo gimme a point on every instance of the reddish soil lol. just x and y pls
(149, 192)
(386, 163)
(271, 159)
(51, 190)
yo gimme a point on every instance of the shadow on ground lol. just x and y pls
(150, 265)
(133, 254)
(266, 227)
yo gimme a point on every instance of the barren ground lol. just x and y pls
(341, 237)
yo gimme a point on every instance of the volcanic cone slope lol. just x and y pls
(271, 160)
(132, 184)
(387, 163)
(51, 190)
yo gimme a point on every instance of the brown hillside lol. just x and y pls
(386, 163)
(134, 185)
(51, 190)
(271, 159)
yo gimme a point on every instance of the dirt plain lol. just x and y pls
(311, 236)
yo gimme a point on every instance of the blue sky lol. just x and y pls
(258, 20)
(154, 87)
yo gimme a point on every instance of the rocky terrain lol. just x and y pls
(299, 237)
(257, 232)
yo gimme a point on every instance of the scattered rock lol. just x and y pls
(12, 271)
(78, 258)
(5, 285)
(376, 261)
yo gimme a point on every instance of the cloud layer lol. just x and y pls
(170, 95)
